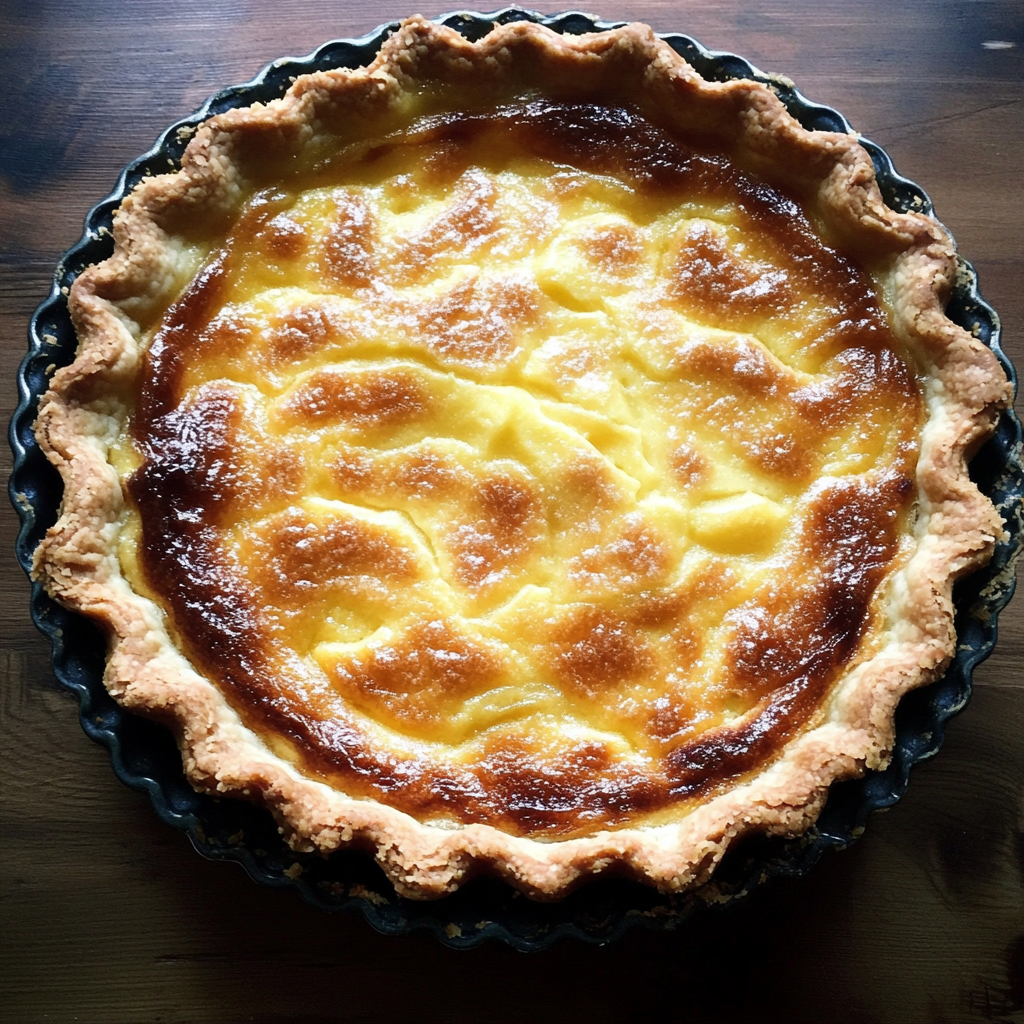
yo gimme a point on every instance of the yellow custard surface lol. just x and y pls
(519, 450)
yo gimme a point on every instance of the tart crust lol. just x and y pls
(80, 417)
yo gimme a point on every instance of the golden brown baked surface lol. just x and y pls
(540, 438)
(574, 465)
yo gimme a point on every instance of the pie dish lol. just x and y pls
(548, 847)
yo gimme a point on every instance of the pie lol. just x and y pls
(520, 456)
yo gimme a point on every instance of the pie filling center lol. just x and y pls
(531, 468)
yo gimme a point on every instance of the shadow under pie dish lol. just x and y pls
(564, 483)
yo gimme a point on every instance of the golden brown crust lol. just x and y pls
(112, 303)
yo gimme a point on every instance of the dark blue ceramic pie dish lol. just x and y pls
(144, 755)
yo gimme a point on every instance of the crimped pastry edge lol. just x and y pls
(958, 526)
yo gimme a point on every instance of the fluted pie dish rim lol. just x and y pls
(531, 875)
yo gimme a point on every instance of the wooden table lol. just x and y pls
(110, 916)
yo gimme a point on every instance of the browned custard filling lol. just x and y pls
(530, 468)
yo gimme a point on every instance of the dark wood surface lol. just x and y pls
(109, 916)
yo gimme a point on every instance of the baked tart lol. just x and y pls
(520, 456)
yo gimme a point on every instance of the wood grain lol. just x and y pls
(109, 915)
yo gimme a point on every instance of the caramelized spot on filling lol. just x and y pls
(348, 251)
(367, 398)
(592, 649)
(298, 334)
(476, 322)
(283, 237)
(690, 467)
(295, 557)
(616, 248)
(464, 228)
(418, 678)
(506, 526)
(718, 285)
(634, 557)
